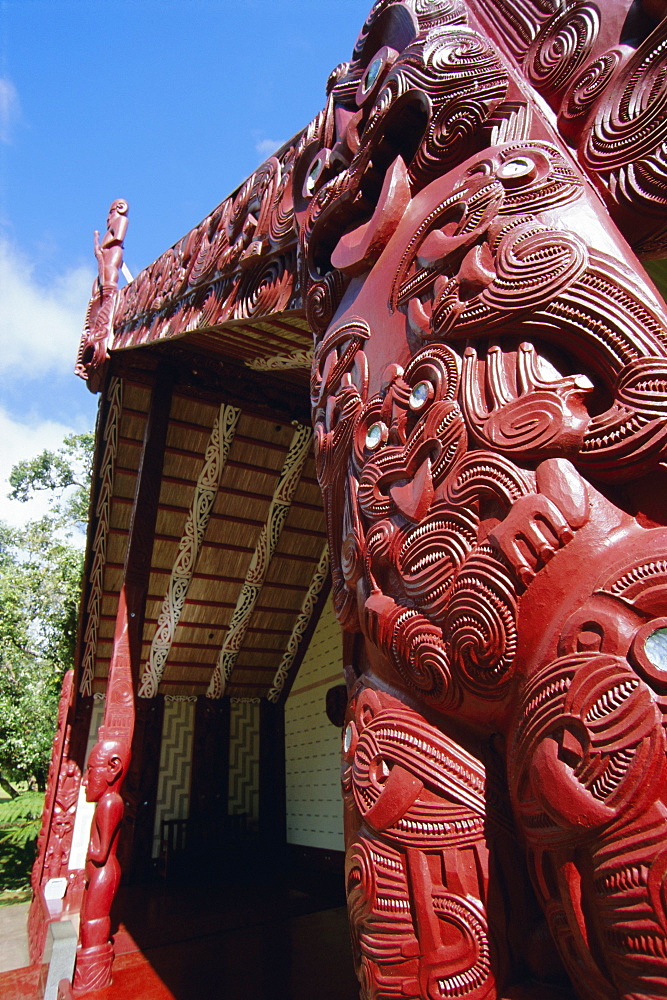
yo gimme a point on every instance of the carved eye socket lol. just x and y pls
(371, 74)
(348, 737)
(313, 175)
(518, 170)
(420, 395)
(655, 648)
(376, 435)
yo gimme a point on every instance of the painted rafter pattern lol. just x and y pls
(261, 559)
(300, 625)
(215, 459)
(99, 547)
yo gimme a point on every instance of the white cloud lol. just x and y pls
(9, 109)
(24, 441)
(40, 325)
(267, 147)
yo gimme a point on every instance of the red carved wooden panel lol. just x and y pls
(489, 403)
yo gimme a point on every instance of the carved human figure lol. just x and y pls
(93, 350)
(107, 766)
(109, 251)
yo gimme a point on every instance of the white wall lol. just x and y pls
(312, 744)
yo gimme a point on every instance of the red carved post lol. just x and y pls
(55, 836)
(489, 396)
(107, 766)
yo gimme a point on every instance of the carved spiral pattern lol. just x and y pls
(562, 45)
(589, 85)
(533, 264)
(420, 656)
(626, 144)
(441, 11)
(432, 553)
(481, 624)
(264, 289)
(323, 299)
(465, 81)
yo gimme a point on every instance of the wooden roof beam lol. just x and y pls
(206, 490)
(290, 475)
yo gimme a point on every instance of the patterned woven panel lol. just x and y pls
(244, 760)
(312, 744)
(96, 717)
(173, 792)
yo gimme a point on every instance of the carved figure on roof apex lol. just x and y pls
(109, 252)
(489, 395)
(93, 351)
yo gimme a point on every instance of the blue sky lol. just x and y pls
(167, 103)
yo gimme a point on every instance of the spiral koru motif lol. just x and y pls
(432, 553)
(626, 144)
(322, 300)
(588, 86)
(562, 45)
(420, 656)
(533, 264)
(264, 289)
(480, 629)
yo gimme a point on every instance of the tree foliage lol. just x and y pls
(40, 578)
(64, 475)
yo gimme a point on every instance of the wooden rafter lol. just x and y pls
(189, 547)
(259, 564)
(301, 624)
(99, 546)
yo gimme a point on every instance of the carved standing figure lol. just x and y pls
(93, 352)
(107, 766)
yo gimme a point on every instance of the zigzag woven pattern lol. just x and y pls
(244, 760)
(173, 793)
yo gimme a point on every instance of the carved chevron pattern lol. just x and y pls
(300, 625)
(215, 459)
(173, 793)
(261, 558)
(244, 759)
(99, 547)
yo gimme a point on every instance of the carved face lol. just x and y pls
(106, 766)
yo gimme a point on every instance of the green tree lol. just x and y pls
(40, 579)
(64, 475)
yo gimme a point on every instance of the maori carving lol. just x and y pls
(107, 767)
(239, 263)
(99, 546)
(55, 837)
(93, 353)
(489, 401)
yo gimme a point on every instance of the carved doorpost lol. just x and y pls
(489, 402)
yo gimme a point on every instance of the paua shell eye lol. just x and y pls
(420, 395)
(376, 435)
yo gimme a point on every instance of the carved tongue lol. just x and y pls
(414, 498)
